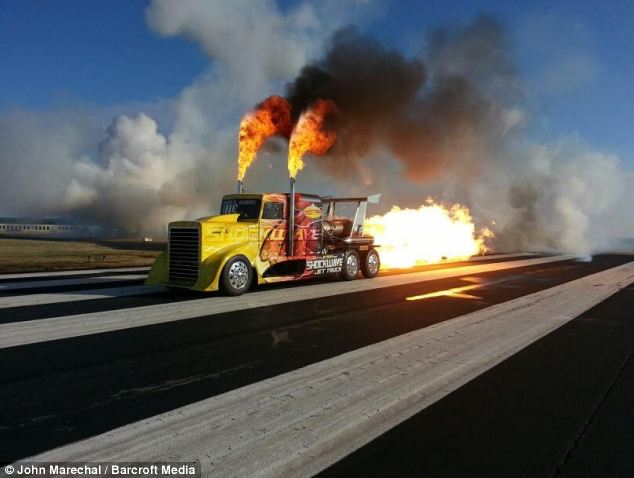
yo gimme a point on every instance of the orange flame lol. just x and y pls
(429, 234)
(310, 134)
(272, 117)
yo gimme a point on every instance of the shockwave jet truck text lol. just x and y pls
(249, 243)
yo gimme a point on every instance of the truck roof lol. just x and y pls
(372, 199)
(262, 195)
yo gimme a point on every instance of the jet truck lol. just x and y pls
(266, 238)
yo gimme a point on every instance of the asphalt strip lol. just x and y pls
(18, 286)
(299, 423)
(90, 294)
(71, 273)
(33, 331)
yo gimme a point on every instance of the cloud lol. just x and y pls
(255, 43)
(142, 178)
(122, 186)
(37, 152)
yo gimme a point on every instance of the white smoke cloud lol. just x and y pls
(140, 178)
(552, 198)
(122, 185)
(37, 152)
(253, 41)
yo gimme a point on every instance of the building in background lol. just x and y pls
(51, 228)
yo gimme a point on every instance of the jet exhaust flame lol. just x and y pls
(429, 234)
(407, 237)
(311, 134)
(272, 117)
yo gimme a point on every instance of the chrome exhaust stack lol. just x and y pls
(240, 188)
(291, 221)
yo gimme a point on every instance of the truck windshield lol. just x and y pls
(247, 208)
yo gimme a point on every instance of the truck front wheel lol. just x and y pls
(236, 276)
(371, 264)
(350, 267)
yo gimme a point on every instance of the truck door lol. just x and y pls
(308, 222)
(273, 228)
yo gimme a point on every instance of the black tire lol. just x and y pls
(351, 265)
(237, 275)
(371, 264)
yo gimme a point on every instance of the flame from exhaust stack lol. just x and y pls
(310, 134)
(272, 117)
(429, 234)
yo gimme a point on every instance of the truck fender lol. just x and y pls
(159, 272)
(211, 267)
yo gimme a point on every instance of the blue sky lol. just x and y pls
(575, 57)
(86, 50)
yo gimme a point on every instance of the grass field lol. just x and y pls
(34, 255)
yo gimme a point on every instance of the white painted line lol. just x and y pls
(77, 272)
(33, 331)
(62, 297)
(9, 286)
(301, 422)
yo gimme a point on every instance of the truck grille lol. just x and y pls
(184, 255)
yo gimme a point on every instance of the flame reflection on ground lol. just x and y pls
(457, 292)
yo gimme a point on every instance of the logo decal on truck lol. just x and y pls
(312, 211)
(325, 265)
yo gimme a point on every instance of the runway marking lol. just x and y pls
(41, 330)
(457, 292)
(91, 294)
(9, 286)
(25, 275)
(301, 422)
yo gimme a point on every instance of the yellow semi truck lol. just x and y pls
(249, 243)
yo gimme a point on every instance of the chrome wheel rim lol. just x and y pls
(238, 275)
(352, 265)
(373, 263)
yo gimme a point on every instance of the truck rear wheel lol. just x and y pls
(236, 276)
(350, 268)
(371, 264)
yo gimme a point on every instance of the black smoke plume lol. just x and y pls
(425, 114)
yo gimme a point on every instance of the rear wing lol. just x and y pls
(359, 216)
(372, 199)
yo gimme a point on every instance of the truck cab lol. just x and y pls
(249, 243)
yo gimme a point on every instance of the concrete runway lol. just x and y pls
(340, 378)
